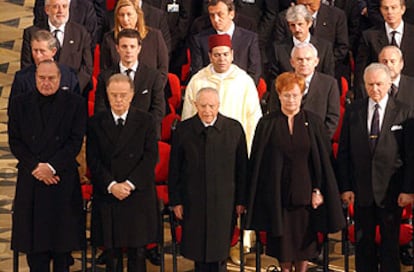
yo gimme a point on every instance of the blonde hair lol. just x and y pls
(140, 27)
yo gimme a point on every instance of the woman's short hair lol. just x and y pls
(288, 80)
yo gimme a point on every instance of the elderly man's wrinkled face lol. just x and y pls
(393, 60)
(221, 57)
(377, 84)
(220, 16)
(47, 78)
(304, 61)
(207, 105)
(120, 96)
(57, 11)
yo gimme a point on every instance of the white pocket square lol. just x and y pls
(396, 127)
(145, 91)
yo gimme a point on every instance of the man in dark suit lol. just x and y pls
(402, 85)
(329, 23)
(121, 154)
(46, 130)
(299, 21)
(43, 47)
(245, 43)
(321, 95)
(74, 41)
(370, 168)
(148, 86)
(207, 181)
(374, 39)
(82, 12)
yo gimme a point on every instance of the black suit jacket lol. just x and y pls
(75, 51)
(373, 177)
(322, 99)
(279, 57)
(246, 51)
(56, 140)
(149, 92)
(331, 25)
(405, 92)
(129, 154)
(154, 52)
(372, 42)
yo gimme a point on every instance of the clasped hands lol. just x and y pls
(121, 190)
(43, 173)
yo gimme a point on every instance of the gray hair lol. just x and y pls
(394, 48)
(304, 45)
(297, 12)
(207, 90)
(120, 78)
(376, 66)
(45, 36)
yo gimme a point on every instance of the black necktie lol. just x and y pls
(313, 26)
(58, 46)
(394, 90)
(393, 41)
(375, 129)
(120, 123)
(128, 72)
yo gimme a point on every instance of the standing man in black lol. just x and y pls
(207, 181)
(370, 168)
(148, 86)
(46, 130)
(121, 154)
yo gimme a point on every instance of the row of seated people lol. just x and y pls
(328, 34)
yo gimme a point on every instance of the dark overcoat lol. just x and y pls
(265, 176)
(207, 176)
(128, 155)
(47, 218)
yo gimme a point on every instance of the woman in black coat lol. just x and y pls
(293, 192)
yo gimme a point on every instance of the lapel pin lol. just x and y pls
(306, 124)
(71, 42)
(324, 24)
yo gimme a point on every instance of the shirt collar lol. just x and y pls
(297, 42)
(53, 28)
(222, 75)
(399, 29)
(211, 124)
(123, 68)
(116, 117)
(382, 104)
(396, 82)
(228, 32)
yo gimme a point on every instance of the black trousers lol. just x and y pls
(210, 267)
(40, 262)
(136, 260)
(367, 255)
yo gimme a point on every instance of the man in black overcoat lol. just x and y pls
(121, 153)
(46, 129)
(207, 181)
(370, 170)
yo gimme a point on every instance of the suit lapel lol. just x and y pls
(109, 128)
(389, 116)
(362, 121)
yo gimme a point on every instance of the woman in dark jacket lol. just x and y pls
(293, 192)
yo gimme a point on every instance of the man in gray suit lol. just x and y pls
(321, 95)
(370, 170)
(401, 88)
